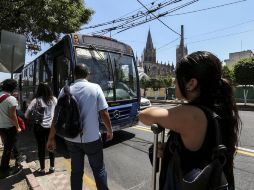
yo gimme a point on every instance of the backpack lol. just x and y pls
(68, 122)
(36, 114)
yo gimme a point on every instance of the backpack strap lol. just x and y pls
(220, 149)
(3, 97)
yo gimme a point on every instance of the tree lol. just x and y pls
(244, 74)
(227, 74)
(43, 20)
(145, 83)
(167, 81)
(156, 84)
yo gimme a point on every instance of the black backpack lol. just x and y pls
(68, 122)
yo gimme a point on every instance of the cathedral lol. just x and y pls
(149, 63)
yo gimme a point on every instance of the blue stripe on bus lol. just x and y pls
(121, 106)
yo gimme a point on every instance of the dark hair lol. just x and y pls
(9, 85)
(44, 92)
(214, 92)
(81, 71)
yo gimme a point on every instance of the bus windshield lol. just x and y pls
(114, 72)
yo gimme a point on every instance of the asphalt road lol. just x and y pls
(129, 167)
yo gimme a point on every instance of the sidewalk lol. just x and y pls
(59, 180)
(16, 181)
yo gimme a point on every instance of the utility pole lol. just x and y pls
(181, 50)
(182, 42)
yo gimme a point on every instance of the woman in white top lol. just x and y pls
(44, 96)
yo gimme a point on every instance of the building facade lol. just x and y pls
(149, 63)
(236, 56)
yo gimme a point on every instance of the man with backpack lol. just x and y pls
(92, 104)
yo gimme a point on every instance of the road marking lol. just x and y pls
(89, 182)
(239, 150)
(245, 153)
(141, 128)
(245, 149)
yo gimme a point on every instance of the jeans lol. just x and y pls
(94, 152)
(41, 136)
(9, 136)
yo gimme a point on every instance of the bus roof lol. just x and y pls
(98, 42)
(101, 42)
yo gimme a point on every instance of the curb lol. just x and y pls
(30, 178)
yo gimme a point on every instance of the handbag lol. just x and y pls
(36, 114)
(21, 123)
(211, 177)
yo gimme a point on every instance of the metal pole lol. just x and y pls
(182, 40)
(162, 141)
(154, 161)
(12, 60)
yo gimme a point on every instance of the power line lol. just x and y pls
(159, 19)
(138, 14)
(223, 36)
(130, 24)
(222, 29)
(199, 10)
(168, 43)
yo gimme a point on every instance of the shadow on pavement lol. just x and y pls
(119, 137)
(11, 181)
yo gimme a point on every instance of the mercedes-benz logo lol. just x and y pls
(116, 114)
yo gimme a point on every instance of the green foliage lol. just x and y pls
(145, 83)
(156, 84)
(227, 74)
(244, 71)
(43, 20)
(167, 81)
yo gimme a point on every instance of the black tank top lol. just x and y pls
(201, 157)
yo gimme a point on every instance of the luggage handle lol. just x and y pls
(156, 130)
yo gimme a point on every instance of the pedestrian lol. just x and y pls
(198, 81)
(44, 95)
(92, 104)
(9, 126)
(17, 154)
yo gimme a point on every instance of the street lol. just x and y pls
(127, 162)
(129, 167)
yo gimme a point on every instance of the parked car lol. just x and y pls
(144, 103)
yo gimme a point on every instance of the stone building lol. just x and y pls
(181, 50)
(236, 56)
(149, 63)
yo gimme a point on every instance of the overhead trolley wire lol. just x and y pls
(199, 10)
(132, 18)
(159, 19)
(130, 24)
(123, 18)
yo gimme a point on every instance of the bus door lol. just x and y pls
(61, 73)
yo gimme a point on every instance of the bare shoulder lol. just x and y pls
(187, 118)
(192, 125)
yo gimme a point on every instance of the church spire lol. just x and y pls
(149, 41)
(149, 51)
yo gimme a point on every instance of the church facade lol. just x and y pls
(151, 66)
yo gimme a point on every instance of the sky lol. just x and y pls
(220, 30)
